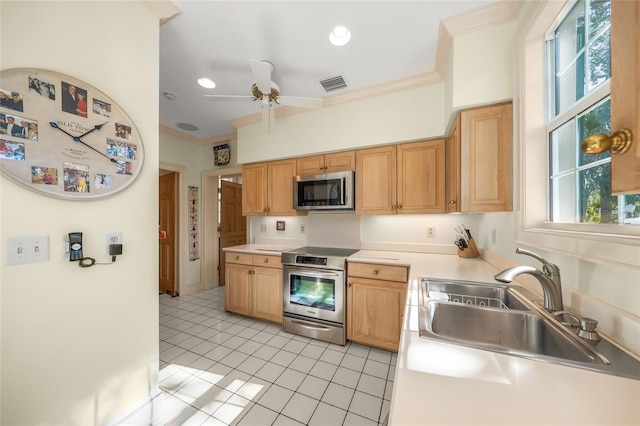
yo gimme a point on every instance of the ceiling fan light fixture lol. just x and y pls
(340, 36)
(206, 83)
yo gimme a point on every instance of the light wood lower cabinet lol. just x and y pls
(254, 286)
(376, 298)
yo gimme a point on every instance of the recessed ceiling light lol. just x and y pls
(206, 83)
(340, 36)
(170, 96)
(188, 127)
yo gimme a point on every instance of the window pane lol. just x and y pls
(570, 85)
(599, 54)
(599, 16)
(563, 199)
(593, 121)
(597, 205)
(570, 37)
(632, 209)
(562, 152)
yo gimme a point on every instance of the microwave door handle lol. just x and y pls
(342, 194)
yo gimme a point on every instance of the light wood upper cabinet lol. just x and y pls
(421, 177)
(267, 188)
(376, 297)
(479, 173)
(326, 163)
(376, 180)
(625, 93)
(401, 179)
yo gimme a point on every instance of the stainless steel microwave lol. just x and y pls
(327, 191)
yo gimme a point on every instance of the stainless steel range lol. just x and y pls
(314, 292)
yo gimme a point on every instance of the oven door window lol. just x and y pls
(314, 292)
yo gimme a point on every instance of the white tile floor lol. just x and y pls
(218, 368)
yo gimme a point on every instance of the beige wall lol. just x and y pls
(402, 116)
(80, 345)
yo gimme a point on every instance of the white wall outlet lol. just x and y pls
(431, 232)
(263, 227)
(302, 228)
(32, 249)
(112, 238)
(493, 236)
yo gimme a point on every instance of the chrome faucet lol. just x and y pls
(549, 279)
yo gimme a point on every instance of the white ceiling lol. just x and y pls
(215, 39)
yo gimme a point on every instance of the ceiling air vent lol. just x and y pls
(333, 83)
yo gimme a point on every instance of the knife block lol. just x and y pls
(471, 251)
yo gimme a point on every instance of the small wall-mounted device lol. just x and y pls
(75, 246)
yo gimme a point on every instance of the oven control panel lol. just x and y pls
(311, 260)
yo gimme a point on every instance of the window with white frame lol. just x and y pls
(578, 105)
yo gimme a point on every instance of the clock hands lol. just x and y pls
(77, 138)
(96, 127)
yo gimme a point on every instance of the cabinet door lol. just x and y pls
(238, 289)
(254, 189)
(340, 161)
(421, 177)
(375, 311)
(267, 294)
(486, 159)
(453, 168)
(376, 180)
(311, 165)
(281, 174)
(625, 93)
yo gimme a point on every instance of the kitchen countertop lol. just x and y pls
(438, 383)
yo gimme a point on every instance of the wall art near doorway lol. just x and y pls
(194, 233)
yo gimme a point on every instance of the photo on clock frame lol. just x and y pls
(103, 181)
(75, 177)
(121, 149)
(124, 168)
(11, 150)
(11, 100)
(123, 131)
(18, 126)
(101, 108)
(44, 175)
(38, 86)
(74, 99)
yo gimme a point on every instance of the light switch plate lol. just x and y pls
(26, 249)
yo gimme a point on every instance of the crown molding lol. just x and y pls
(495, 13)
(417, 80)
(165, 10)
(194, 139)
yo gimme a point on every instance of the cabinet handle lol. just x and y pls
(264, 210)
(453, 202)
(266, 260)
(237, 258)
(399, 207)
(375, 272)
(349, 285)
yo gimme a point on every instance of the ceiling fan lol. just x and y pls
(267, 91)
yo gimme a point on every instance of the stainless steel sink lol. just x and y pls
(515, 332)
(510, 319)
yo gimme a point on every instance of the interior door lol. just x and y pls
(168, 202)
(233, 226)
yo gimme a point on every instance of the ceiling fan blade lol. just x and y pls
(229, 98)
(311, 103)
(262, 75)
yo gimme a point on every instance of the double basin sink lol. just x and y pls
(506, 319)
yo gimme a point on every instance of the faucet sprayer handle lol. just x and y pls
(549, 268)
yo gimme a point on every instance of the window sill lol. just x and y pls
(599, 245)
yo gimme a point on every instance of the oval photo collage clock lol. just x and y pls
(65, 138)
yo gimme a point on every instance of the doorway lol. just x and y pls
(167, 218)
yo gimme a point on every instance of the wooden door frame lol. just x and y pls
(181, 246)
(209, 260)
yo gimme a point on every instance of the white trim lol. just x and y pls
(182, 223)
(530, 159)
